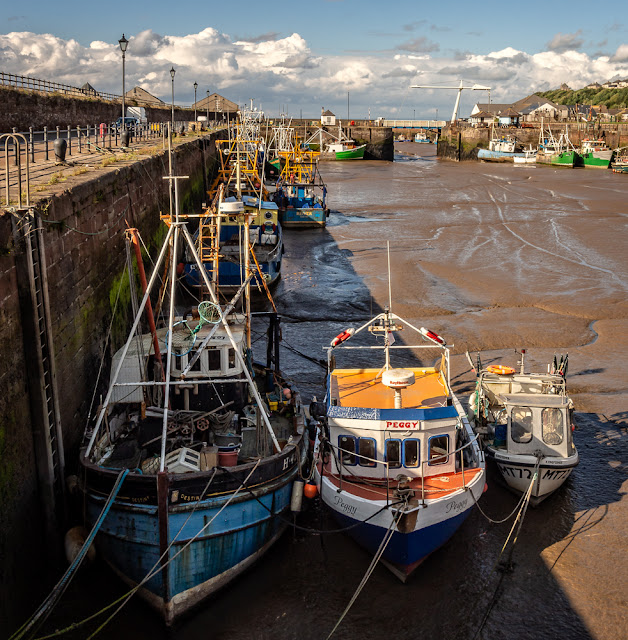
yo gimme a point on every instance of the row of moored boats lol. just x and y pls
(200, 452)
(556, 150)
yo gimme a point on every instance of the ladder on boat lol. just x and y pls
(208, 246)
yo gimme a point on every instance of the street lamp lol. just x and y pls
(172, 72)
(124, 43)
(207, 105)
(195, 88)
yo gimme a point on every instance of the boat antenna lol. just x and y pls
(389, 283)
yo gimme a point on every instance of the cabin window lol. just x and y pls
(232, 359)
(411, 451)
(368, 451)
(197, 365)
(213, 359)
(552, 425)
(438, 450)
(521, 425)
(346, 444)
(393, 453)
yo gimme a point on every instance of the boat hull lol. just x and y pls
(296, 218)
(351, 154)
(620, 167)
(205, 543)
(518, 470)
(564, 159)
(597, 159)
(498, 156)
(421, 531)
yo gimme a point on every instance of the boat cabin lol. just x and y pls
(377, 439)
(536, 423)
(217, 360)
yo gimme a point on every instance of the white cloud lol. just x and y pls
(278, 70)
(621, 55)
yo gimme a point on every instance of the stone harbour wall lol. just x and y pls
(22, 109)
(84, 238)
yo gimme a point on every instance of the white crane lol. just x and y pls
(475, 87)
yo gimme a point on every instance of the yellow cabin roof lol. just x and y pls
(363, 388)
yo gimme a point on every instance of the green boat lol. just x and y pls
(346, 152)
(596, 154)
(557, 152)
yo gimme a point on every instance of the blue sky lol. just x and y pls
(305, 56)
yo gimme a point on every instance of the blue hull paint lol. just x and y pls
(129, 538)
(404, 549)
(314, 217)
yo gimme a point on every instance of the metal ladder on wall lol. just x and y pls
(52, 446)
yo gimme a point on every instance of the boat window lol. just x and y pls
(346, 444)
(521, 425)
(367, 449)
(552, 423)
(411, 450)
(438, 450)
(213, 359)
(232, 359)
(393, 453)
(197, 365)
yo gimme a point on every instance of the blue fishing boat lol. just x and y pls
(396, 459)
(212, 441)
(265, 233)
(301, 194)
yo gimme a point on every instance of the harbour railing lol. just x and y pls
(83, 139)
(47, 86)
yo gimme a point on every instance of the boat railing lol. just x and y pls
(459, 450)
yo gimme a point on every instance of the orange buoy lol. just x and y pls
(310, 490)
(500, 370)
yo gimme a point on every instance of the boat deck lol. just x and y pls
(432, 487)
(363, 388)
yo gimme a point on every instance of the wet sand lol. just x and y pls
(494, 258)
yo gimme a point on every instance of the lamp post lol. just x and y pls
(207, 106)
(195, 88)
(172, 72)
(124, 43)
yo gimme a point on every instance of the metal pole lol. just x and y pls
(123, 105)
(195, 87)
(207, 105)
(172, 72)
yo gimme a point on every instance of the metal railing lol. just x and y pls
(35, 84)
(83, 139)
(340, 464)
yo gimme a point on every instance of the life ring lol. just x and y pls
(500, 370)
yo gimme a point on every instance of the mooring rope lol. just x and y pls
(518, 521)
(380, 552)
(122, 600)
(39, 617)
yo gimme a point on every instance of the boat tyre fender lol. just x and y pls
(500, 370)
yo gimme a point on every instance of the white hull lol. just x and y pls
(518, 471)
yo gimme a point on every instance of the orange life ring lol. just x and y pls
(500, 370)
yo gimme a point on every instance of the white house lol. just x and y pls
(327, 118)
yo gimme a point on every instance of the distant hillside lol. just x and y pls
(612, 98)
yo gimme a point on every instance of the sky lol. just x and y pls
(357, 58)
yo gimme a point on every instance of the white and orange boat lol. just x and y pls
(397, 461)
